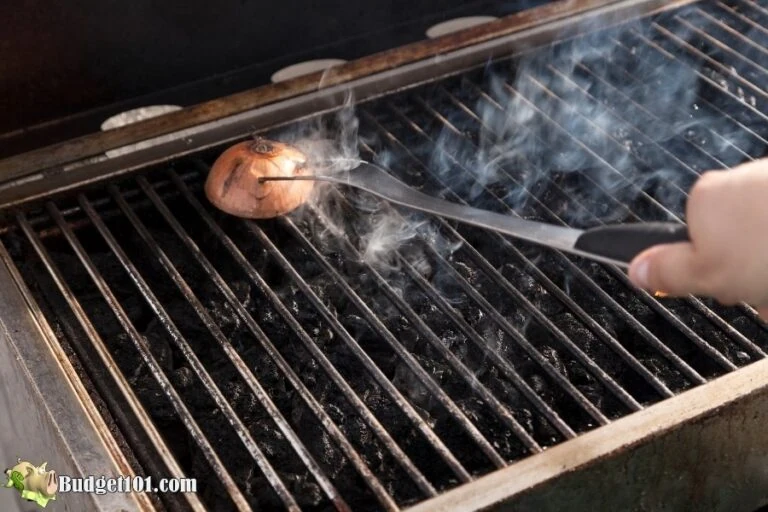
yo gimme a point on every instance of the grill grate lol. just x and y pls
(277, 358)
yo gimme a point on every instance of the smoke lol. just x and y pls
(361, 226)
(620, 121)
(330, 142)
(625, 109)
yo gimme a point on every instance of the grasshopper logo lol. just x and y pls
(34, 483)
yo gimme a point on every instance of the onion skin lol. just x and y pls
(233, 183)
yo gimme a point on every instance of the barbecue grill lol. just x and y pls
(354, 355)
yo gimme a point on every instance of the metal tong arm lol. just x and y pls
(614, 244)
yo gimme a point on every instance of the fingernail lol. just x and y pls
(640, 273)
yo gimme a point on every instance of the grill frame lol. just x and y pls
(678, 454)
(60, 167)
(46, 400)
(740, 392)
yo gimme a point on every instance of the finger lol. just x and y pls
(763, 312)
(666, 268)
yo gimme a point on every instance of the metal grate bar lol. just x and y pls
(512, 290)
(269, 472)
(668, 315)
(348, 392)
(652, 44)
(499, 409)
(740, 16)
(733, 32)
(239, 364)
(551, 371)
(513, 93)
(625, 315)
(457, 414)
(316, 408)
(607, 338)
(753, 5)
(36, 220)
(509, 371)
(502, 350)
(615, 115)
(757, 70)
(398, 398)
(141, 347)
(620, 275)
(735, 55)
(704, 103)
(750, 311)
(535, 312)
(622, 46)
(370, 366)
(646, 115)
(329, 368)
(696, 303)
(576, 108)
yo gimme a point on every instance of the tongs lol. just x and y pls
(615, 244)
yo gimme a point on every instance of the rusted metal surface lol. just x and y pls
(97, 144)
(706, 449)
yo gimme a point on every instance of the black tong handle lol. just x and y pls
(622, 242)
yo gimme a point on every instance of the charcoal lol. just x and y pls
(183, 377)
(475, 316)
(356, 326)
(16, 246)
(468, 272)
(541, 387)
(750, 328)
(607, 321)
(270, 322)
(325, 289)
(553, 356)
(432, 314)
(123, 348)
(187, 321)
(161, 349)
(574, 179)
(407, 336)
(208, 486)
(375, 399)
(532, 289)
(134, 307)
(226, 316)
(155, 401)
(77, 276)
(242, 400)
(303, 486)
(411, 385)
(173, 248)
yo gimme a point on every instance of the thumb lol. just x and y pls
(665, 268)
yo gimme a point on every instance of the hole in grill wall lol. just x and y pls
(465, 359)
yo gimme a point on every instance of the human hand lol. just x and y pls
(727, 257)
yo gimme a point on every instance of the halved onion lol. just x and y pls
(233, 184)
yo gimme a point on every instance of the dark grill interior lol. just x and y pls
(284, 364)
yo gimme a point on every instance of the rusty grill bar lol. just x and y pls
(302, 378)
